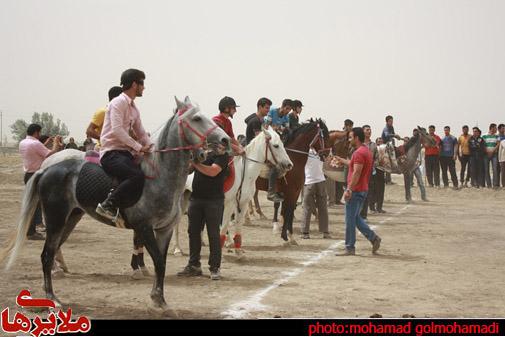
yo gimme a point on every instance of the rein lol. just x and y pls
(318, 137)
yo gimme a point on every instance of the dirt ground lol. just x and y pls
(443, 258)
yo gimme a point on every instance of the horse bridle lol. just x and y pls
(267, 148)
(319, 136)
(184, 124)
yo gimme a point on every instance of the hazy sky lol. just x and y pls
(439, 62)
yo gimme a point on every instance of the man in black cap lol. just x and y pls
(227, 108)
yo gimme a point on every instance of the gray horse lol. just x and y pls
(152, 217)
(407, 161)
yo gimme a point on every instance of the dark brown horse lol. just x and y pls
(314, 134)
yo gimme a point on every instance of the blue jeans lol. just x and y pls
(491, 162)
(353, 220)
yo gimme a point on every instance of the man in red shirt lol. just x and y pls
(360, 168)
(432, 159)
(227, 108)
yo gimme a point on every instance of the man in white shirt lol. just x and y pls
(314, 195)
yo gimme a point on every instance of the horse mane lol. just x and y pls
(305, 127)
(412, 141)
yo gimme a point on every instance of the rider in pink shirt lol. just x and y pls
(122, 138)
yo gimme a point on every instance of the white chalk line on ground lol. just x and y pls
(253, 303)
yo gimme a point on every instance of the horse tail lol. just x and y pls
(17, 237)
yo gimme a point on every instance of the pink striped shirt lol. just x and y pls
(33, 153)
(122, 121)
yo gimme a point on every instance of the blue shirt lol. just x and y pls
(447, 144)
(273, 118)
(388, 133)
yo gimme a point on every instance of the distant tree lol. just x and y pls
(46, 120)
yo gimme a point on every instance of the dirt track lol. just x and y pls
(443, 258)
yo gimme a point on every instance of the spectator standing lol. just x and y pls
(492, 141)
(432, 159)
(448, 155)
(314, 195)
(464, 156)
(477, 156)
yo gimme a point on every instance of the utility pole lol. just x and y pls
(1, 129)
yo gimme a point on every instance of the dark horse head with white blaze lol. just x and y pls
(152, 217)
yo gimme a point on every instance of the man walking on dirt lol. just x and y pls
(360, 167)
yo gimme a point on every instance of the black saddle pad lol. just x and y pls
(93, 185)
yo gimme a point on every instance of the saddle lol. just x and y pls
(94, 184)
(230, 179)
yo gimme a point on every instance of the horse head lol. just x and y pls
(275, 153)
(197, 131)
(426, 139)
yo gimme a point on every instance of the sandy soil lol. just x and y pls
(443, 258)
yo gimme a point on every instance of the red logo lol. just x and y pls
(60, 322)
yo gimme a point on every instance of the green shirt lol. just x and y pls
(491, 141)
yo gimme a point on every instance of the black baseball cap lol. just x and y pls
(227, 102)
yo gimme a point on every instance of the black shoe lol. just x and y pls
(381, 211)
(190, 271)
(36, 237)
(108, 210)
(275, 197)
(376, 243)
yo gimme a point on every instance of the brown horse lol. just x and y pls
(313, 133)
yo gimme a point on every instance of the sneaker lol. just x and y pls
(190, 271)
(327, 236)
(305, 236)
(275, 197)
(36, 237)
(381, 211)
(215, 275)
(107, 210)
(376, 243)
(347, 252)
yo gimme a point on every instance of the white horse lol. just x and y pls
(265, 149)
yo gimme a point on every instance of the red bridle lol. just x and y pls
(182, 125)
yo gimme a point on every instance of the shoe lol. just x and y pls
(107, 210)
(215, 275)
(346, 252)
(381, 211)
(36, 237)
(190, 271)
(327, 236)
(275, 197)
(425, 199)
(305, 236)
(376, 243)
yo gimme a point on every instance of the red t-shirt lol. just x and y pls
(433, 150)
(361, 156)
(224, 123)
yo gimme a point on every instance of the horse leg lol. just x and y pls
(139, 269)
(258, 207)
(407, 180)
(57, 217)
(159, 260)
(288, 221)
(276, 226)
(73, 219)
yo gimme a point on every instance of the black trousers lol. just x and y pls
(465, 166)
(203, 212)
(432, 170)
(37, 217)
(376, 189)
(477, 171)
(448, 163)
(120, 164)
(339, 191)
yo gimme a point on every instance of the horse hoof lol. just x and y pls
(178, 252)
(57, 273)
(137, 275)
(163, 311)
(145, 271)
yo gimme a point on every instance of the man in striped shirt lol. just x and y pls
(492, 141)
